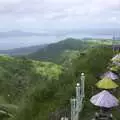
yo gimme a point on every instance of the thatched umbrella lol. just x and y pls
(110, 75)
(106, 83)
(104, 99)
(116, 63)
(116, 57)
(114, 68)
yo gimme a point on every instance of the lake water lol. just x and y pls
(16, 42)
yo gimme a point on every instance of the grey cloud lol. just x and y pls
(46, 13)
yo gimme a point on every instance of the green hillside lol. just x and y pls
(18, 75)
(53, 98)
(35, 90)
(53, 51)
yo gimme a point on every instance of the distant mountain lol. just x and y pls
(87, 38)
(53, 52)
(17, 33)
(22, 51)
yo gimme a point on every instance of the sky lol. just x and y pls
(44, 15)
(58, 15)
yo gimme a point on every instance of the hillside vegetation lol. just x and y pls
(18, 75)
(54, 52)
(42, 90)
(41, 103)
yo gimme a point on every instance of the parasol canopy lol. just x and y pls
(106, 83)
(116, 58)
(104, 99)
(110, 75)
(116, 63)
(115, 68)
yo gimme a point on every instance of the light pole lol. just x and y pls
(78, 97)
(73, 108)
(77, 103)
(82, 85)
(64, 118)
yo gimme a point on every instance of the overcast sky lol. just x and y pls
(44, 15)
(53, 15)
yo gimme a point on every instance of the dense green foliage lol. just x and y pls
(54, 51)
(18, 75)
(42, 88)
(53, 95)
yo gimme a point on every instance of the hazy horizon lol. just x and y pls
(19, 42)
